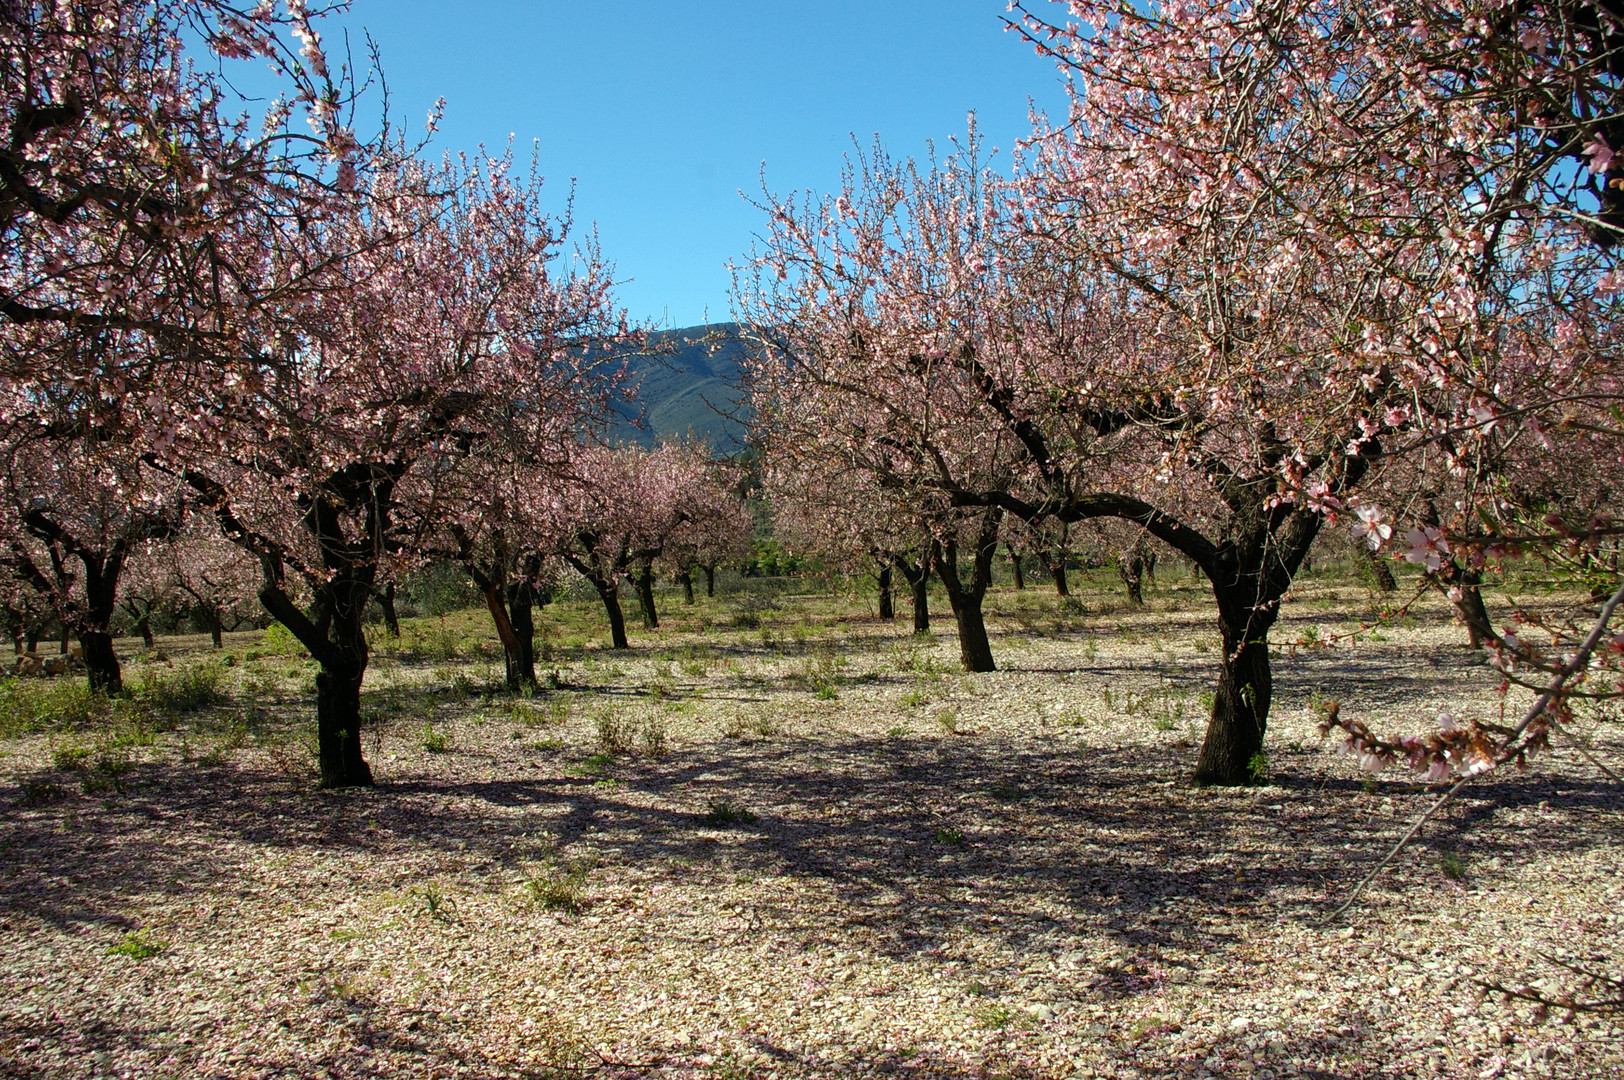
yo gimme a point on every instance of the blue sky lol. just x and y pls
(663, 111)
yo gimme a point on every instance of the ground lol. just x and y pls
(779, 837)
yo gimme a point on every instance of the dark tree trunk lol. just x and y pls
(1248, 580)
(1132, 568)
(710, 579)
(391, 618)
(686, 580)
(645, 594)
(518, 643)
(1379, 570)
(1015, 566)
(95, 627)
(1240, 708)
(918, 579)
(143, 627)
(521, 662)
(338, 727)
(965, 596)
(888, 608)
(610, 594)
(1057, 570)
(206, 614)
(1150, 566)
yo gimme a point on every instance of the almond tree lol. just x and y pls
(870, 309)
(73, 514)
(445, 322)
(624, 506)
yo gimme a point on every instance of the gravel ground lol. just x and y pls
(817, 850)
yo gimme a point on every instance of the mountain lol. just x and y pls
(687, 385)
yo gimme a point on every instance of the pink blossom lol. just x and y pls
(1427, 547)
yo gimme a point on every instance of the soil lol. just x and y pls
(808, 848)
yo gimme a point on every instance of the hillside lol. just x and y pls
(692, 389)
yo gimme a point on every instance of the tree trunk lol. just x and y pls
(610, 595)
(686, 580)
(645, 594)
(710, 580)
(1057, 569)
(95, 628)
(888, 608)
(1015, 566)
(518, 643)
(391, 619)
(521, 662)
(338, 726)
(143, 627)
(1132, 569)
(918, 579)
(1379, 570)
(965, 597)
(1240, 708)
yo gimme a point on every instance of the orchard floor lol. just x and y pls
(809, 848)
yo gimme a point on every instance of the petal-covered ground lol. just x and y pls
(807, 848)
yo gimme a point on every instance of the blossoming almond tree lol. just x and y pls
(624, 506)
(447, 322)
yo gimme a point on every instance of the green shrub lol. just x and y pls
(32, 705)
(138, 945)
(722, 814)
(556, 889)
(185, 690)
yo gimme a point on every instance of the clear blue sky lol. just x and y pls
(664, 111)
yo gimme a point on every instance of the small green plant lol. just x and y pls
(1452, 865)
(949, 837)
(434, 903)
(187, 690)
(1257, 767)
(436, 741)
(138, 945)
(948, 721)
(1163, 723)
(614, 736)
(594, 765)
(723, 814)
(994, 1017)
(651, 737)
(556, 889)
(826, 692)
(913, 699)
(40, 791)
(896, 732)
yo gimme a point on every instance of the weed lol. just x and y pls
(138, 945)
(948, 721)
(651, 736)
(914, 699)
(994, 1017)
(39, 791)
(722, 814)
(614, 736)
(436, 741)
(826, 692)
(896, 732)
(434, 903)
(186, 690)
(950, 837)
(1163, 723)
(1257, 767)
(556, 889)
(1452, 865)
(594, 765)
